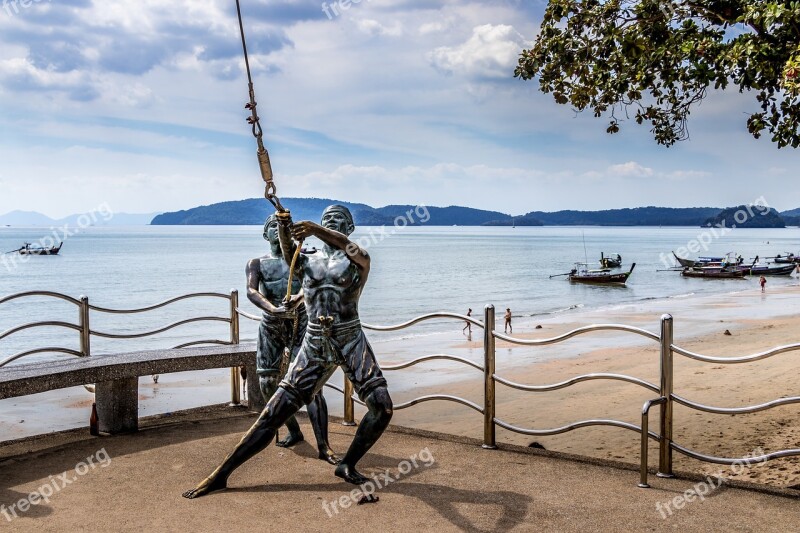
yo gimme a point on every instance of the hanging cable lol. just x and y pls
(270, 191)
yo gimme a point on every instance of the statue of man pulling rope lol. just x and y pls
(332, 282)
(282, 328)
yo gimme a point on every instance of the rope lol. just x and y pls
(291, 269)
(270, 190)
(264, 164)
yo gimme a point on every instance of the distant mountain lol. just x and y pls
(254, 211)
(32, 218)
(26, 218)
(791, 217)
(639, 216)
(443, 216)
(743, 216)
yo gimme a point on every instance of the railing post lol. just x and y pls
(236, 384)
(86, 332)
(645, 436)
(643, 450)
(488, 378)
(665, 444)
(349, 404)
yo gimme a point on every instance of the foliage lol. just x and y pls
(657, 59)
(254, 211)
(639, 216)
(746, 217)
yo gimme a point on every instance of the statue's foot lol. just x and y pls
(290, 440)
(328, 456)
(350, 474)
(207, 486)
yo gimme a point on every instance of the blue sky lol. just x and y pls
(139, 104)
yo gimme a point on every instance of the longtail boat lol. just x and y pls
(29, 249)
(610, 261)
(582, 274)
(771, 270)
(713, 273)
(730, 259)
(789, 259)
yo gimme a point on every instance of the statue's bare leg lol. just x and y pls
(294, 436)
(269, 384)
(369, 430)
(280, 407)
(318, 414)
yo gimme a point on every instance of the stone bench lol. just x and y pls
(116, 378)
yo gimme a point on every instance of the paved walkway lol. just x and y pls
(454, 486)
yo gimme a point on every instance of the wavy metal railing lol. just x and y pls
(423, 318)
(492, 420)
(577, 379)
(161, 304)
(666, 399)
(350, 399)
(735, 360)
(160, 330)
(669, 398)
(666, 395)
(50, 294)
(579, 331)
(86, 333)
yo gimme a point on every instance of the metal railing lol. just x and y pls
(347, 391)
(666, 397)
(85, 331)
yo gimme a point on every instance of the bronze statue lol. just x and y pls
(332, 282)
(282, 329)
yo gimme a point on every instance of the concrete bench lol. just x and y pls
(116, 378)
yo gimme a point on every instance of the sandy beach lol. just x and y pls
(711, 384)
(756, 322)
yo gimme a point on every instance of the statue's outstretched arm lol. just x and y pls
(357, 254)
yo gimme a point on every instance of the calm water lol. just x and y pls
(414, 271)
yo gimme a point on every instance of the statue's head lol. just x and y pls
(338, 218)
(271, 229)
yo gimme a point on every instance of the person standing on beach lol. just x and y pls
(508, 321)
(468, 327)
(282, 329)
(763, 282)
(332, 280)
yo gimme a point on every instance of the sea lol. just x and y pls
(414, 271)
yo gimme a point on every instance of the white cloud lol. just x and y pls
(432, 27)
(631, 169)
(374, 28)
(491, 52)
(687, 174)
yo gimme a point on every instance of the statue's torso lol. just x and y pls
(332, 286)
(274, 279)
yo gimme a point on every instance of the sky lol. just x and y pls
(139, 105)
